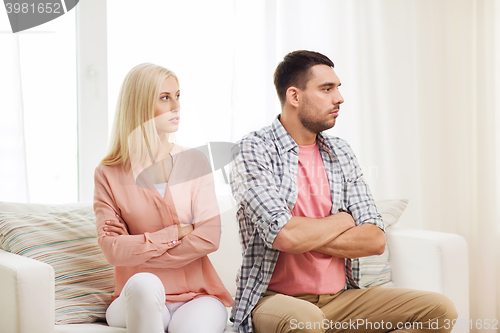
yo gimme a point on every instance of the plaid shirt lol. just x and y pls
(264, 184)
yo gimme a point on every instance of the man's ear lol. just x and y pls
(292, 96)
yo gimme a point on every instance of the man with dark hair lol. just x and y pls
(294, 71)
(304, 210)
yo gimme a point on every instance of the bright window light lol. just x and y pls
(47, 62)
(194, 39)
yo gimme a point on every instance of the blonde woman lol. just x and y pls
(157, 216)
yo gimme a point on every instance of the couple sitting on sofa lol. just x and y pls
(302, 206)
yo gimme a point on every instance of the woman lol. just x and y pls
(157, 216)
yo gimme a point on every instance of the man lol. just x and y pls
(304, 210)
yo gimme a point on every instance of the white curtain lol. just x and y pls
(13, 170)
(458, 121)
(38, 118)
(421, 111)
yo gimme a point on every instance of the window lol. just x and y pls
(195, 41)
(41, 63)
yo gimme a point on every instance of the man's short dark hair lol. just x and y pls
(294, 70)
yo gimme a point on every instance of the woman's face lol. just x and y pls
(168, 107)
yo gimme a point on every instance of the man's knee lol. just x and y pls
(444, 307)
(440, 313)
(286, 314)
(305, 319)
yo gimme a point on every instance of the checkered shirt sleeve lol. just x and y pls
(357, 198)
(261, 213)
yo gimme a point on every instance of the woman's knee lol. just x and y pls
(145, 286)
(201, 315)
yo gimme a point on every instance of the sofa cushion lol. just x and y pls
(64, 238)
(376, 270)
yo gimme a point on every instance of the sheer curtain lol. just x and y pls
(38, 116)
(13, 169)
(191, 38)
(419, 81)
(459, 110)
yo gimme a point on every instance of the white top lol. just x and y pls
(162, 188)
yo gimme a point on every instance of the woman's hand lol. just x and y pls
(184, 230)
(115, 228)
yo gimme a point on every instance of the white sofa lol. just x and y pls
(420, 259)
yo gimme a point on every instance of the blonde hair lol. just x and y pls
(134, 137)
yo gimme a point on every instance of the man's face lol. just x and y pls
(319, 102)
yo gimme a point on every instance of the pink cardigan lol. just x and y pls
(153, 246)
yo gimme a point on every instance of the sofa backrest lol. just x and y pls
(16, 207)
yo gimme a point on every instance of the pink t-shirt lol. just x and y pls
(310, 272)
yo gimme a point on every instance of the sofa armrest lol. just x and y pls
(26, 295)
(433, 261)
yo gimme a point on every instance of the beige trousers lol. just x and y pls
(376, 309)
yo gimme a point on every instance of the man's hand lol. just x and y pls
(344, 219)
(303, 234)
(364, 240)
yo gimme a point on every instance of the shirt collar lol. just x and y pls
(323, 144)
(285, 142)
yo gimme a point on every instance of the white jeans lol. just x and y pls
(141, 308)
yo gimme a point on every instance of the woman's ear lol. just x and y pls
(292, 96)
